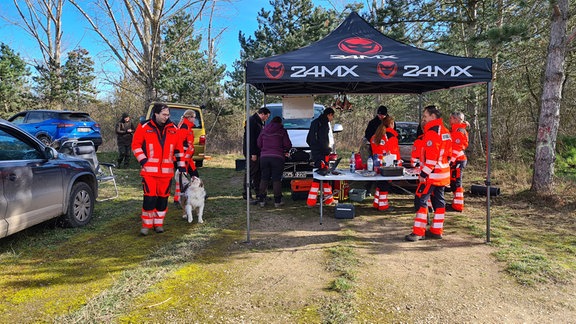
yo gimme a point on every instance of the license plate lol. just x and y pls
(84, 129)
(288, 174)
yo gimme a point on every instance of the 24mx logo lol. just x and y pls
(321, 71)
(434, 71)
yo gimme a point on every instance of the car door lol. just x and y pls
(32, 183)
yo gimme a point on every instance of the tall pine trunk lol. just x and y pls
(542, 181)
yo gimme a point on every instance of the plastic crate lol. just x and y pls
(301, 185)
(357, 194)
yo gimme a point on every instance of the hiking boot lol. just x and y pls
(432, 236)
(177, 205)
(278, 204)
(413, 237)
(159, 229)
(143, 231)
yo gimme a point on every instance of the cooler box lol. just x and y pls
(344, 211)
(299, 188)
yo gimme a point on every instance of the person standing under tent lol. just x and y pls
(156, 145)
(321, 141)
(124, 132)
(373, 124)
(274, 144)
(458, 161)
(384, 142)
(256, 123)
(186, 131)
(434, 176)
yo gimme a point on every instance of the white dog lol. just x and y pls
(192, 196)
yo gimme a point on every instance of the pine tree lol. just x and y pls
(13, 80)
(77, 79)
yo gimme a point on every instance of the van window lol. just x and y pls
(298, 123)
(176, 115)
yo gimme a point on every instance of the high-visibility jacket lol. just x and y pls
(187, 135)
(388, 144)
(459, 142)
(157, 150)
(417, 151)
(437, 150)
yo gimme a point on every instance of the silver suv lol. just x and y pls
(38, 183)
(298, 165)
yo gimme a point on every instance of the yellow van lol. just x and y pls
(176, 112)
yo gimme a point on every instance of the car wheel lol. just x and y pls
(45, 140)
(80, 205)
(199, 164)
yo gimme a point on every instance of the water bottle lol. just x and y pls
(370, 164)
(376, 161)
(352, 163)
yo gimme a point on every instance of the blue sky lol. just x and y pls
(232, 17)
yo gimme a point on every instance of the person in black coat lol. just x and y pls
(319, 136)
(256, 123)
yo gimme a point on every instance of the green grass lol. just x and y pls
(104, 272)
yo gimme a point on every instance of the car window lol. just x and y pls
(76, 117)
(36, 117)
(297, 123)
(176, 115)
(406, 133)
(12, 148)
(18, 119)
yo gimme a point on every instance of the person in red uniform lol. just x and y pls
(384, 142)
(434, 176)
(458, 161)
(156, 145)
(186, 131)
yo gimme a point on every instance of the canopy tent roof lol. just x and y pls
(356, 58)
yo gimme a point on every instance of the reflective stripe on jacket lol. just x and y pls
(459, 142)
(156, 151)
(187, 137)
(437, 150)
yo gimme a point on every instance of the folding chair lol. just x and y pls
(87, 151)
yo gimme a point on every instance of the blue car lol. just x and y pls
(59, 125)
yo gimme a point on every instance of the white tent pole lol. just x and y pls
(488, 155)
(248, 157)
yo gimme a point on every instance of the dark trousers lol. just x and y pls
(271, 170)
(255, 177)
(124, 153)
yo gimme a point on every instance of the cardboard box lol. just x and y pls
(344, 211)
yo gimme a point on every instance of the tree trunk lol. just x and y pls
(549, 120)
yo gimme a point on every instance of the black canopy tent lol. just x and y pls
(356, 58)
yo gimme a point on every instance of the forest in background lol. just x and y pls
(158, 49)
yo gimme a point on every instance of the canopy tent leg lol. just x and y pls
(247, 182)
(488, 155)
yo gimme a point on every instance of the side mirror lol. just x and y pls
(337, 128)
(50, 152)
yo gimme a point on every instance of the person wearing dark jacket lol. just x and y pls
(319, 137)
(256, 123)
(274, 145)
(373, 124)
(124, 132)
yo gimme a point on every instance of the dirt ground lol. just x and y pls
(281, 274)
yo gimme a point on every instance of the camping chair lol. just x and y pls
(86, 150)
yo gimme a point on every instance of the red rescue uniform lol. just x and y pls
(156, 149)
(458, 163)
(186, 132)
(435, 158)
